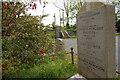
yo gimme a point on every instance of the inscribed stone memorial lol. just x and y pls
(96, 40)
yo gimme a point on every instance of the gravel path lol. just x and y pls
(70, 43)
(118, 52)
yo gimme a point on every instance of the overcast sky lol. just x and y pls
(50, 9)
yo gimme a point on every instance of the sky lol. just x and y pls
(50, 9)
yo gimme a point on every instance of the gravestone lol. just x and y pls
(72, 33)
(57, 32)
(96, 40)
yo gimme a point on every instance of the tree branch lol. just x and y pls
(57, 6)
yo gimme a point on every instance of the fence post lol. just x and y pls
(72, 55)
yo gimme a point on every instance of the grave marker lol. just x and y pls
(57, 32)
(96, 40)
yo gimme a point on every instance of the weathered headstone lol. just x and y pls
(72, 33)
(57, 32)
(96, 40)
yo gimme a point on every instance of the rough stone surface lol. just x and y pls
(96, 40)
(57, 32)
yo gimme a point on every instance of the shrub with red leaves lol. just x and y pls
(53, 56)
(42, 51)
(44, 6)
(8, 7)
(4, 7)
(3, 74)
(18, 31)
(53, 45)
(4, 64)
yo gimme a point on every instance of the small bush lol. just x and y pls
(23, 43)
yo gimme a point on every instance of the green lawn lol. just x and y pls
(118, 34)
(73, 37)
(57, 68)
(69, 59)
(118, 76)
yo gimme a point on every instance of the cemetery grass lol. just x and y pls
(117, 76)
(74, 30)
(118, 34)
(57, 68)
(73, 37)
(69, 59)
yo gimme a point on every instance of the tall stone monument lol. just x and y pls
(96, 40)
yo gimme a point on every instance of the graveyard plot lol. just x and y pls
(54, 44)
(29, 49)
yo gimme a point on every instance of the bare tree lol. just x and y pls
(69, 7)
